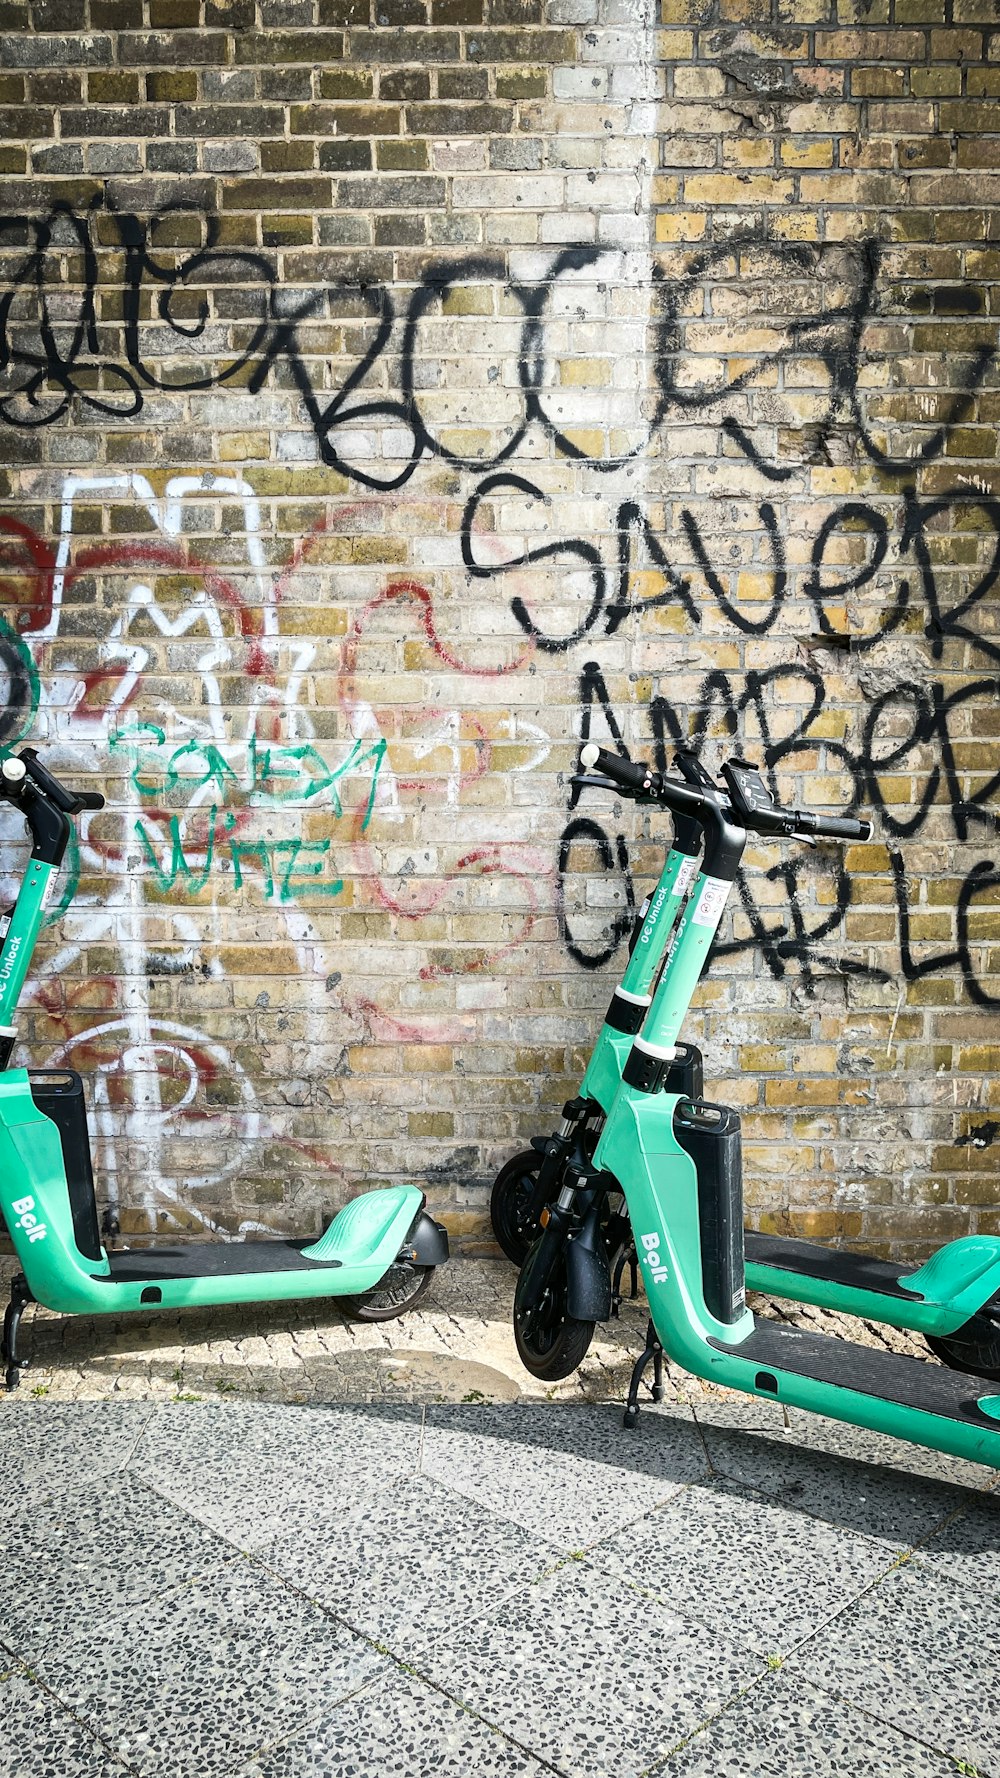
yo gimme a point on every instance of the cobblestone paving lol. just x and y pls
(457, 1347)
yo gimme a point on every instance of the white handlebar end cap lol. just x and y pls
(589, 755)
(14, 770)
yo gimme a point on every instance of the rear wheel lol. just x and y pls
(400, 1290)
(513, 1190)
(974, 1347)
(550, 1343)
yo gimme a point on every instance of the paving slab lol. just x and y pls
(784, 1728)
(570, 1474)
(405, 1729)
(245, 1471)
(294, 1435)
(730, 1559)
(481, 1590)
(75, 1554)
(919, 1652)
(52, 1445)
(411, 1563)
(38, 1735)
(836, 1472)
(211, 1675)
(968, 1547)
(589, 1680)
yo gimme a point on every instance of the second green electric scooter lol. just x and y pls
(677, 1165)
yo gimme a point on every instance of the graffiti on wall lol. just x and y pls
(861, 580)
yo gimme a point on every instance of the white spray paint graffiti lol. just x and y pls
(193, 748)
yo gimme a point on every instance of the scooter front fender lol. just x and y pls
(588, 1274)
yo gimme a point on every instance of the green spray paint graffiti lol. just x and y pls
(266, 777)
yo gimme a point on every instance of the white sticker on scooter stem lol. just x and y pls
(711, 901)
(686, 876)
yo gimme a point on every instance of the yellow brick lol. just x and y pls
(732, 188)
(805, 152)
(758, 1057)
(591, 372)
(681, 225)
(586, 439)
(243, 447)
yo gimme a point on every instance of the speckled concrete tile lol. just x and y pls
(918, 1652)
(571, 1474)
(588, 1679)
(968, 1547)
(784, 1728)
(835, 1438)
(403, 1729)
(829, 1472)
(79, 1552)
(725, 1557)
(40, 1739)
(192, 1684)
(335, 1436)
(409, 1565)
(56, 1444)
(241, 1470)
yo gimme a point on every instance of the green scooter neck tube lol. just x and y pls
(21, 934)
(686, 961)
(604, 1070)
(678, 874)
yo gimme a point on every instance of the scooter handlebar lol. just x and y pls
(69, 801)
(683, 798)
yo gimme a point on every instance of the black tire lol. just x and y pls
(550, 1343)
(512, 1189)
(974, 1348)
(400, 1290)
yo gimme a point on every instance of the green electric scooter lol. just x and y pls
(677, 1164)
(797, 1271)
(530, 1180)
(375, 1259)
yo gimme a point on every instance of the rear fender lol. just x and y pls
(960, 1278)
(427, 1242)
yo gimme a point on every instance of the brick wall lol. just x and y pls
(390, 399)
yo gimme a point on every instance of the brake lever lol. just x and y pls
(591, 781)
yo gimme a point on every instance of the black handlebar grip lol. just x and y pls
(89, 799)
(623, 771)
(833, 827)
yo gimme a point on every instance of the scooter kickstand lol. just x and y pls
(20, 1297)
(652, 1354)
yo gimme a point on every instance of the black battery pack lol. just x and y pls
(686, 1073)
(710, 1134)
(58, 1093)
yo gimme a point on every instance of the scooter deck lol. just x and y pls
(205, 1259)
(828, 1265)
(865, 1371)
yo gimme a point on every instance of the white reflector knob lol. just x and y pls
(589, 755)
(13, 770)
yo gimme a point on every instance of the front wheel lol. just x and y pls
(400, 1290)
(550, 1343)
(510, 1200)
(974, 1347)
